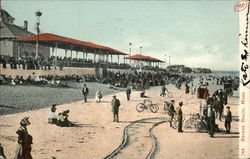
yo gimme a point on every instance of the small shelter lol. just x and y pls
(147, 59)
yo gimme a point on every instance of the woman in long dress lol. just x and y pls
(98, 96)
(23, 150)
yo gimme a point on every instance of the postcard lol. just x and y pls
(124, 79)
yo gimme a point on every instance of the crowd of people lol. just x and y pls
(53, 62)
(45, 79)
(214, 107)
(137, 80)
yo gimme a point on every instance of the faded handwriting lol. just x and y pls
(244, 56)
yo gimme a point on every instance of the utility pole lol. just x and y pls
(130, 51)
(169, 61)
(140, 57)
(38, 15)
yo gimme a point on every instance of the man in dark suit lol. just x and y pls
(115, 103)
(228, 119)
(171, 112)
(211, 116)
(85, 92)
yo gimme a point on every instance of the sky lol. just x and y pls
(193, 33)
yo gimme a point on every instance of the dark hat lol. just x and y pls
(181, 103)
(84, 85)
(172, 100)
(228, 107)
(114, 96)
(25, 121)
(53, 107)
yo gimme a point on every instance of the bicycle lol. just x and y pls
(147, 104)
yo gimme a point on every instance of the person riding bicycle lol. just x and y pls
(171, 112)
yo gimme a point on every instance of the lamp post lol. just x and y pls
(169, 61)
(130, 50)
(140, 57)
(38, 15)
(165, 61)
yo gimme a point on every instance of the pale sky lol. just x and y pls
(193, 33)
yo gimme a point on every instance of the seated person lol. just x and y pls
(53, 116)
(142, 94)
(63, 119)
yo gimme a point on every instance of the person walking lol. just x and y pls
(228, 119)
(24, 140)
(179, 116)
(98, 96)
(128, 92)
(163, 91)
(115, 103)
(211, 116)
(85, 92)
(171, 112)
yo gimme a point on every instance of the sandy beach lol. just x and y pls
(97, 136)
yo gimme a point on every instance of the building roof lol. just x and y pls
(13, 31)
(138, 57)
(52, 40)
(6, 16)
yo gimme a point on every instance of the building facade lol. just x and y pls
(9, 32)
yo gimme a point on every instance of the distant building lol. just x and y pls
(9, 32)
(176, 68)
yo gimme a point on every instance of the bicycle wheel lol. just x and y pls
(153, 108)
(170, 94)
(140, 107)
(189, 123)
(174, 122)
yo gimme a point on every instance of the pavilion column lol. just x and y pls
(124, 59)
(65, 53)
(18, 50)
(76, 54)
(107, 58)
(83, 53)
(71, 52)
(56, 51)
(118, 59)
(111, 59)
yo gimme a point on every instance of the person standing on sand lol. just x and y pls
(24, 141)
(85, 92)
(228, 119)
(98, 96)
(171, 112)
(179, 116)
(2, 152)
(115, 103)
(211, 116)
(128, 92)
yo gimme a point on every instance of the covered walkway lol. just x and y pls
(59, 42)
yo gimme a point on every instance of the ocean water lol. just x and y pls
(226, 73)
